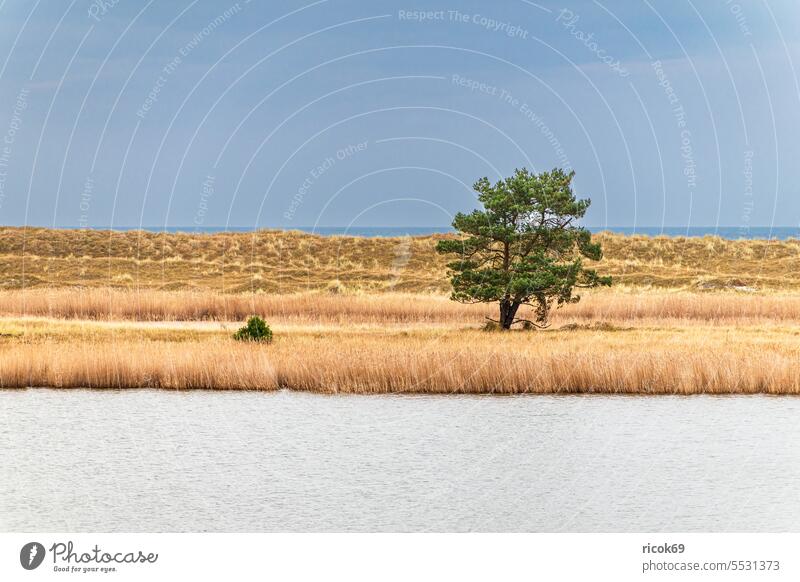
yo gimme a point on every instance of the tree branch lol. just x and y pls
(533, 323)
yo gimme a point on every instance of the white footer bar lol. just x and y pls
(401, 557)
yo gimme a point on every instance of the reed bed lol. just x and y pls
(151, 305)
(137, 365)
(623, 307)
(457, 363)
(474, 362)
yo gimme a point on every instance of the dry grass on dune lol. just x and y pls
(270, 261)
(700, 262)
(388, 308)
(287, 262)
(456, 362)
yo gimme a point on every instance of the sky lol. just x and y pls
(343, 113)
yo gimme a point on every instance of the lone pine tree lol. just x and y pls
(524, 247)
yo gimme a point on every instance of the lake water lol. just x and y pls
(146, 460)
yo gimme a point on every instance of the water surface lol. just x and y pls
(146, 460)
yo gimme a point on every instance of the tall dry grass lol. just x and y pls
(137, 365)
(460, 363)
(388, 308)
(150, 305)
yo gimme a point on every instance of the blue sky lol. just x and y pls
(337, 113)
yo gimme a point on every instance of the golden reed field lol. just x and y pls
(126, 310)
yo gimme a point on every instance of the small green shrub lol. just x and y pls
(256, 330)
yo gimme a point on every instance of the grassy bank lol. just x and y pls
(126, 310)
(677, 359)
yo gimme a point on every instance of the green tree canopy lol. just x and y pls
(524, 247)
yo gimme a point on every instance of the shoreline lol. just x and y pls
(475, 395)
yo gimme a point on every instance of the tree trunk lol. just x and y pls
(508, 311)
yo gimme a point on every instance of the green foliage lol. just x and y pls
(523, 248)
(256, 330)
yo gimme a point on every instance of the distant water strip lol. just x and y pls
(726, 232)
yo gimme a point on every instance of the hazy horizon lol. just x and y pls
(722, 231)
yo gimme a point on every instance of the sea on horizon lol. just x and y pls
(726, 232)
